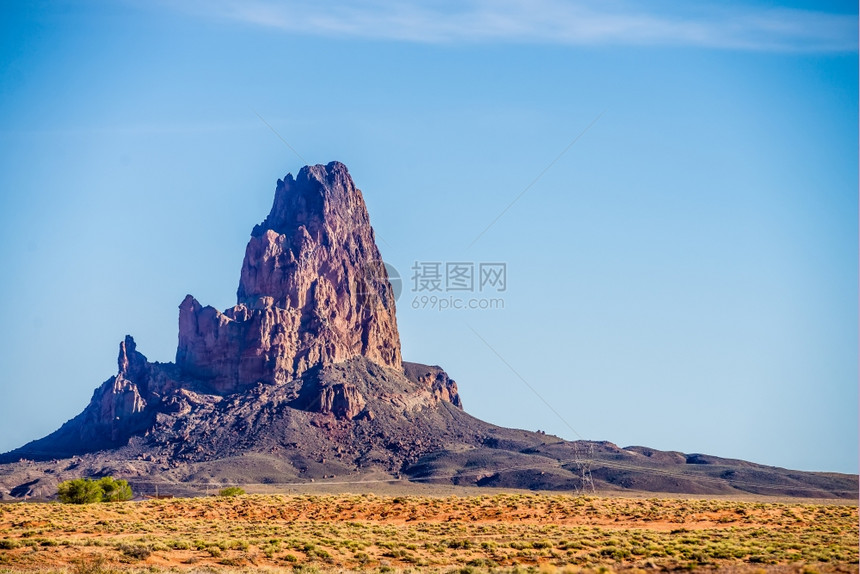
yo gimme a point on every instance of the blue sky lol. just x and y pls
(684, 276)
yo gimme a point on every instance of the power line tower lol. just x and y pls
(583, 456)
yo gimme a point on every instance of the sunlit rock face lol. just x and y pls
(310, 292)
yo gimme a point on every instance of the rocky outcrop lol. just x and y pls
(310, 293)
(131, 365)
(120, 399)
(126, 403)
(121, 407)
(343, 400)
(240, 347)
(442, 387)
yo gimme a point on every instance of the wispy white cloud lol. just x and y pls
(571, 22)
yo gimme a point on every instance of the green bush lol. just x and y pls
(115, 490)
(231, 491)
(86, 491)
(80, 491)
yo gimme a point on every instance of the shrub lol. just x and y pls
(231, 491)
(86, 491)
(240, 545)
(80, 491)
(138, 552)
(115, 490)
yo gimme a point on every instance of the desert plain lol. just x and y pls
(435, 532)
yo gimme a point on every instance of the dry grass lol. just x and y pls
(515, 533)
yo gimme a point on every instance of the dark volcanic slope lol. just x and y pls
(303, 380)
(405, 427)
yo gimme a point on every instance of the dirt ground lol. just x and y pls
(536, 533)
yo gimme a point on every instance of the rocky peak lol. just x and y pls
(312, 291)
(322, 199)
(315, 316)
(131, 364)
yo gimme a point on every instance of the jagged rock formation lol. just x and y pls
(303, 380)
(443, 388)
(306, 296)
(312, 293)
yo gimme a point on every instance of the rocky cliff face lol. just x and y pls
(306, 295)
(312, 293)
(120, 398)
